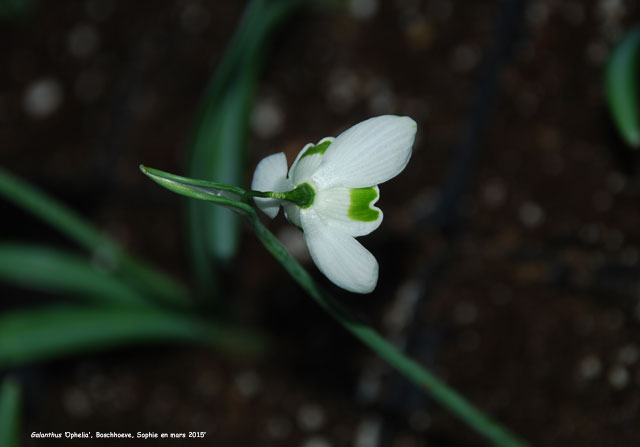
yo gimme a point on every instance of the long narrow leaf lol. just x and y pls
(621, 81)
(219, 143)
(73, 226)
(29, 336)
(43, 268)
(10, 417)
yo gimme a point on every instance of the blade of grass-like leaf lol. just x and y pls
(43, 268)
(28, 336)
(10, 408)
(621, 78)
(413, 371)
(221, 148)
(73, 226)
(218, 147)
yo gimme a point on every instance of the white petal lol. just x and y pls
(305, 163)
(271, 175)
(336, 206)
(292, 213)
(339, 256)
(367, 154)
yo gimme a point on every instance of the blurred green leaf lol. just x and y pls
(621, 78)
(28, 336)
(15, 9)
(10, 408)
(219, 142)
(43, 268)
(73, 226)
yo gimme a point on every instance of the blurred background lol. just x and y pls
(509, 259)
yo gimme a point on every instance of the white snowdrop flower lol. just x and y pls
(330, 192)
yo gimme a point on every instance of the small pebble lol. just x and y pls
(629, 354)
(83, 40)
(42, 97)
(537, 13)
(195, 18)
(343, 91)
(618, 377)
(590, 367)
(267, 118)
(531, 214)
(310, 417)
(465, 312)
(248, 383)
(368, 433)
(464, 58)
(616, 182)
(494, 193)
(596, 52)
(381, 99)
(76, 402)
(317, 441)
(362, 9)
(278, 427)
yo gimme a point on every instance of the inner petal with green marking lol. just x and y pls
(319, 148)
(360, 208)
(308, 161)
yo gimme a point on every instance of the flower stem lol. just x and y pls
(413, 371)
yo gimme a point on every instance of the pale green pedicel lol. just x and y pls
(359, 209)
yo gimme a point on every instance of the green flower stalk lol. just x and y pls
(304, 190)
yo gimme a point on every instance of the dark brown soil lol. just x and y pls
(528, 292)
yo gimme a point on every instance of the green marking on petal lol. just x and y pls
(317, 149)
(359, 209)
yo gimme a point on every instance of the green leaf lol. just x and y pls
(41, 334)
(621, 79)
(16, 9)
(43, 268)
(219, 143)
(10, 409)
(82, 232)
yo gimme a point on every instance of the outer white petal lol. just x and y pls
(305, 165)
(333, 205)
(292, 212)
(339, 256)
(368, 153)
(271, 175)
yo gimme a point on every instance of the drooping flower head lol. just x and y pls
(331, 190)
